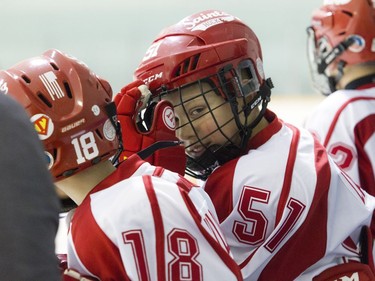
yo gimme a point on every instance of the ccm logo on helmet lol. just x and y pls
(151, 78)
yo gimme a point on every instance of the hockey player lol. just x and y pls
(341, 49)
(134, 221)
(287, 211)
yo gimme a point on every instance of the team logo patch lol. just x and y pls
(43, 125)
(168, 118)
(109, 131)
(49, 160)
(358, 45)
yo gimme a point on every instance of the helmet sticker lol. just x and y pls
(3, 87)
(336, 2)
(152, 51)
(358, 45)
(260, 69)
(153, 77)
(49, 160)
(95, 109)
(49, 80)
(73, 125)
(168, 118)
(43, 125)
(205, 21)
(109, 131)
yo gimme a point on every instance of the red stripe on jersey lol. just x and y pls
(263, 136)
(288, 173)
(96, 252)
(221, 252)
(337, 115)
(366, 86)
(308, 244)
(219, 186)
(159, 227)
(158, 171)
(362, 132)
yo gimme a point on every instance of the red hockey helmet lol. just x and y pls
(199, 46)
(342, 33)
(67, 104)
(216, 48)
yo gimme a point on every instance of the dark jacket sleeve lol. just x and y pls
(28, 202)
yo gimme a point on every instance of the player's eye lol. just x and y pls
(197, 112)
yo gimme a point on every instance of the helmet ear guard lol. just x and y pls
(248, 77)
(244, 83)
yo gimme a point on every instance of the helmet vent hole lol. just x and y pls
(99, 134)
(26, 79)
(54, 153)
(187, 65)
(68, 91)
(54, 66)
(195, 60)
(44, 99)
(350, 14)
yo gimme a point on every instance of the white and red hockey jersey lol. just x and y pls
(345, 124)
(146, 223)
(286, 208)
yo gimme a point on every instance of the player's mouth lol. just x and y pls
(194, 151)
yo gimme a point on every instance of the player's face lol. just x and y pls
(203, 118)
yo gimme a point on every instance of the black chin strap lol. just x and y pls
(333, 80)
(355, 84)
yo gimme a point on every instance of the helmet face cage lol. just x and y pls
(316, 51)
(67, 104)
(225, 83)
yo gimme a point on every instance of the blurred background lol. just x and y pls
(112, 36)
